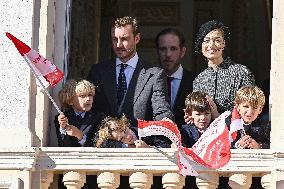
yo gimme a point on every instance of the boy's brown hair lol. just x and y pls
(74, 88)
(197, 101)
(251, 94)
(127, 20)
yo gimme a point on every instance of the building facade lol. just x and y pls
(27, 161)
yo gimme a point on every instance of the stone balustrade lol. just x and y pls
(139, 164)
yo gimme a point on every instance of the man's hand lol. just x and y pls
(141, 144)
(167, 119)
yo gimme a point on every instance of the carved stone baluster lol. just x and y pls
(240, 181)
(45, 179)
(266, 181)
(141, 180)
(108, 180)
(173, 181)
(74, 179)
(207, 180)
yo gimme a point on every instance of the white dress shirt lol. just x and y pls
(177, 76)
(128, 70)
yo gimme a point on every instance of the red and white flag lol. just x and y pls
(165, 128)
(236, 124)
(46, 71)
(211, 150)
(213, 146)
(170, 130)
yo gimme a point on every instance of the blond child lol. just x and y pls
(249, 102)
(78, 124)
(114, 133)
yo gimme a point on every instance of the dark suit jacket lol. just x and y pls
(88, 125)
(189, 135)
(184, 90)
(146, 97)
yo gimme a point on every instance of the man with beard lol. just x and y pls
(129, 85)
(170, 45)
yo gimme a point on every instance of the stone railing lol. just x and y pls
(139, 164)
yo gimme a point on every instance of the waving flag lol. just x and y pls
(170, 130)
(236, 124)
(213, 146)
(211, 150)
(166, 128)
(46, 71)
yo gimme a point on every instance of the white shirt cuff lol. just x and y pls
(62, 131)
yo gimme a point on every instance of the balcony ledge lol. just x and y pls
(125, 160)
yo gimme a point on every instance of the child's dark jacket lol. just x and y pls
(189, 135)
(88, 125)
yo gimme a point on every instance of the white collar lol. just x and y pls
(82, 114)
(178, 74)
(132, 62)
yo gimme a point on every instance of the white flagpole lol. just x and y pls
(42, 85)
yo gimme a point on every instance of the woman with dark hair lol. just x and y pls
(223, 77)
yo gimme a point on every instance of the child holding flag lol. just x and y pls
(77, 125)
(197, 106)
(255, 134)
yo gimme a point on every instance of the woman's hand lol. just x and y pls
(213, 107)
(187, 118)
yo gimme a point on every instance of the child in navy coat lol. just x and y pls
(77, 125)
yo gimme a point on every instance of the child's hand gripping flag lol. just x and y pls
(47, 73)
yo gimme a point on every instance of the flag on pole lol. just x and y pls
(46, 71)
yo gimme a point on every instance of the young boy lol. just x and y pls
(249, 102)
(77, 125)
(198, 107)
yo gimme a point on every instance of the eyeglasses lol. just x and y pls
(216, 41)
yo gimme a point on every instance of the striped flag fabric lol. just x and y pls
(45, 70)
(235, 125)
(213, 146)
(170, 130)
